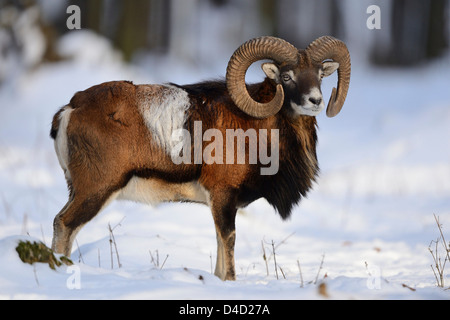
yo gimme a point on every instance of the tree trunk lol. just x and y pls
(418, 33)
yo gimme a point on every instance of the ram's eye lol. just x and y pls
(286, 77)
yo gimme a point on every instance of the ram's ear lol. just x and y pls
(271, 71)
(329, 67)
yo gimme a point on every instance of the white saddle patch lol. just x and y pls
(164, 109)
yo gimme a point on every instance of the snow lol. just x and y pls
(364, 230)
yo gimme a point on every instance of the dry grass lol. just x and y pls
(440, 259)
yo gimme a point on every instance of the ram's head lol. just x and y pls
(297, 73)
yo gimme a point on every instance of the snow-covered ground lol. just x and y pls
(364, 230)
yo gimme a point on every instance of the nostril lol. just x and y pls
(315, 101)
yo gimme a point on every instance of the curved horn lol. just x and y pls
(251, 51)
(331, 48)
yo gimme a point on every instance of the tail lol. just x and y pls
(55, 123)
(59, 133)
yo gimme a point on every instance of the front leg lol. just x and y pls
(223, 209)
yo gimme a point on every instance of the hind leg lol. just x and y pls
(72, 217)
(58, 244)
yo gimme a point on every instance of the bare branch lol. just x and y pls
(320, 268)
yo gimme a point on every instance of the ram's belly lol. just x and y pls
(154, 191)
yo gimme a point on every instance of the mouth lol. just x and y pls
(309, 110)
(313, 109)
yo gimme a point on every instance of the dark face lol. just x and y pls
(302, 85)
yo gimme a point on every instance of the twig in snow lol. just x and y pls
(439, 266)
(156, 261)
(164, 262)
(444, 243)
(274, 259)
(210, 261)
(112, 241)
(284, 240)
(35, 274)
(80, 256)
(320, 268)
(282, 272)
(300, 271)
(265, 257)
